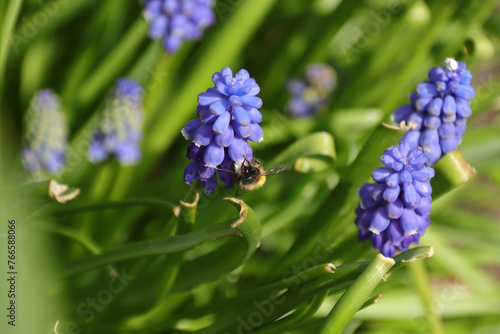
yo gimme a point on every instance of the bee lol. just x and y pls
(250, 175)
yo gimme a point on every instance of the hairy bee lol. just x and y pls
(250, 175)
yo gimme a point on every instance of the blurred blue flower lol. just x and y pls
(120, 128)
(439, 109)
(228, 118)
(394, 212)
(46, 135)
(178, 20)
(312, 94)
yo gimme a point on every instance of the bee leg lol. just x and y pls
(240, 192)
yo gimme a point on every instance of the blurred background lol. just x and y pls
(378, 51)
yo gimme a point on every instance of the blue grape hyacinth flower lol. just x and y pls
(312, 94)
(439, 109)
(46, 135)
(120, 128)
(228, 118)
(175, 21)
(394, 212)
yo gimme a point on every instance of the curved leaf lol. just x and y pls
(146, 202)
(247, 226)
(152, 247)
(311, 165)
(316, 145)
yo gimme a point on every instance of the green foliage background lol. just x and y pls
(380, 50)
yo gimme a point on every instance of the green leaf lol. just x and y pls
(152, 247)
(311, 165)
(354, 122)
(146, 202)
(319, 145)
(414, 254)
(247, 225)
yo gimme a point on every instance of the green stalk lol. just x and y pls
(8, 24)
(354, 298)
(452, 170)
(421, 280)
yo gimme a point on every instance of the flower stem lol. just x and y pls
(452, 170)
(354, 298)
(421, 279)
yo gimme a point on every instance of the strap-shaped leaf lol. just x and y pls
(246, 225)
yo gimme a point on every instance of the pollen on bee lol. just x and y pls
(259, 182)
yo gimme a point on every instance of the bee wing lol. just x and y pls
(276, 169)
